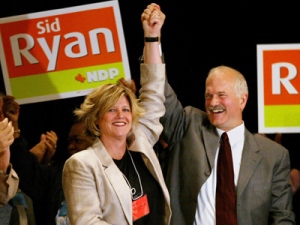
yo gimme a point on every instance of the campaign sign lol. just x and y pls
(62, 53)
(278, 78)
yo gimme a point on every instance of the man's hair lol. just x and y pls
(240, 84)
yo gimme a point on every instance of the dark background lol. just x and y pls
(195, 38)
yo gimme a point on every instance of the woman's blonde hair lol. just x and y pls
(101, 99)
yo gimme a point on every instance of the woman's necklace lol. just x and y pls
(133, 190)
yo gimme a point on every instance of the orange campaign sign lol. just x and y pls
(62, 53)
(278, 79)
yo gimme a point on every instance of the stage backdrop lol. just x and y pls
(195, 38)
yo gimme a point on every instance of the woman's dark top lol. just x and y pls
(150, 187)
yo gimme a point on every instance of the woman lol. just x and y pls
(118, 180)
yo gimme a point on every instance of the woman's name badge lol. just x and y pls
(140, 207)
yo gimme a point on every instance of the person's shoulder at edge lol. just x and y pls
(9, 183)
(265, 142)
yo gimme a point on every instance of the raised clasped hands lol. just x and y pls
(152, 19)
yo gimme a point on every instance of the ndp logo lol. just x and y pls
(278, 80)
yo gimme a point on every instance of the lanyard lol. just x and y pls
(133, 190)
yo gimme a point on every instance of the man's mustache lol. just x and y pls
(216, 107)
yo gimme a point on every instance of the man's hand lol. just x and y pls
(130, 85)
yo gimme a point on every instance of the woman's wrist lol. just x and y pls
(151, 39)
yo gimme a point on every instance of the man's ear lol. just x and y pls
(243, 101)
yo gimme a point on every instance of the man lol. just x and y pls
(9, 180)
(261, 166)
